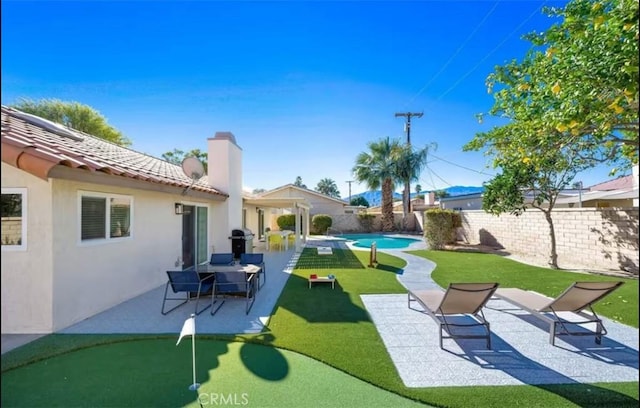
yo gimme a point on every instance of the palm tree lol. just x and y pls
(409, 164)
(328, 187)
(377, 169)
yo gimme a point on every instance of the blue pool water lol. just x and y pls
(382, 241)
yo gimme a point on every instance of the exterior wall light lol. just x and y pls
(179, 209)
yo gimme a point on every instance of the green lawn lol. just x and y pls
(621, 305)
(314, 322)
(328, 325)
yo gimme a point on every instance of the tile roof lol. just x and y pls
(621, 183)
(31, 145)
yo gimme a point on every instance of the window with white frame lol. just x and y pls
(14, 219)
(104, 216)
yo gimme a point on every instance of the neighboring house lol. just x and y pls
(87, 224)
(462, 202)
(318, 203)
(258, 214)
(620, 193)
(620, 183)
(474, 201)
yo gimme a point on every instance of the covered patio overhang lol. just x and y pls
(300, 207)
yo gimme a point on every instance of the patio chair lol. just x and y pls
(275, 240)
(191, 284)
(576, 298)
(454, 307)
(234, 284)
(223, 258)
(258, 260)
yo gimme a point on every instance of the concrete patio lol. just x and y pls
(520, 354)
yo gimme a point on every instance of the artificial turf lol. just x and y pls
(328, 325)
(156, 373)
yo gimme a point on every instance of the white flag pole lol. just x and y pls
(189, 329)
(195, 385)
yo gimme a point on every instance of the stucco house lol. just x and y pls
(621, 192)
(87, 224)
(318, 203)
(462, 202)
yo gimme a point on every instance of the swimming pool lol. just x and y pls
(382, 241)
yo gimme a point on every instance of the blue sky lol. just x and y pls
(303, 85)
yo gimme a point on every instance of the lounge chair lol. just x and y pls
(191, 284)
(459, 300)
(576, 298)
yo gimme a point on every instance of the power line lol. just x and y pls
(462, 167)
(455, 54)
(463, 77)
(440, 178)
(452, 87)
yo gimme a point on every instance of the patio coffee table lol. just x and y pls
(320, 279)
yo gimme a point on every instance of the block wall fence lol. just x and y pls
(597, 239)
(589, 238)
(346, 223)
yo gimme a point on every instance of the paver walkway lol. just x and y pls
(520, 354)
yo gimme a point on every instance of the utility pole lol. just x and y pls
(407, 126)
(406, 201)
(349, 181)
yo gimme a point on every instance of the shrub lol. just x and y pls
(440, 227)
(287, 222)
(321, 222)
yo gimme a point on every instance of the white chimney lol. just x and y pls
(225, 174)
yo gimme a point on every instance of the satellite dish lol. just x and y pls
(192, 168)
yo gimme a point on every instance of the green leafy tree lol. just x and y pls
(177, 156)
(258, 190)
(328, 186)
(441, 194)
(359, 201)
(377, 169)
(572, 103)
(418, 188)
(522, 184)
(575, 91)
(298, 183)
(74, 115)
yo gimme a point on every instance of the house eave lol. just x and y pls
(67, 173)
